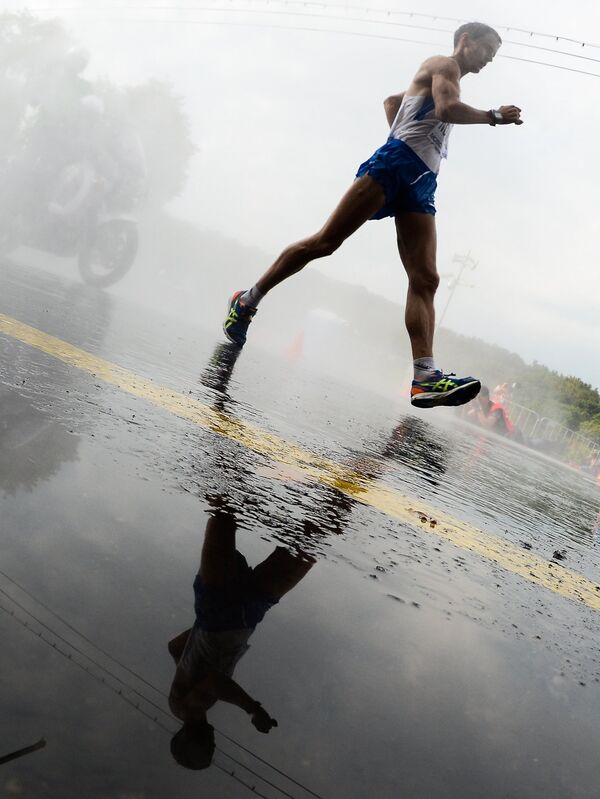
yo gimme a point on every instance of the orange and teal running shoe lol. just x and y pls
(443, 389)
(238, 318)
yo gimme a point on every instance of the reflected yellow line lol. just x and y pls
(413, 512)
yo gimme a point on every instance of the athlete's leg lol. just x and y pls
(177, 645)
(363, 199)
(417, 242)
(281, 571)
(217, 562)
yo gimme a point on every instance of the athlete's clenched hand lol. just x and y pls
(262, 721)
(511, 115)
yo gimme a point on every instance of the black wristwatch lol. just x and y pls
(494, 116)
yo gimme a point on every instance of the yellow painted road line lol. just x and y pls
(362, 488)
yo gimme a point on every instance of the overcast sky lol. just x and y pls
(282, 117)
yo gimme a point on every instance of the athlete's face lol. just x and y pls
(481, 51)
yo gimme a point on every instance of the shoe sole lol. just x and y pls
(456, 396)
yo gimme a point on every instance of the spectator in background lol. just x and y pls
(503, 393)
(493, 416)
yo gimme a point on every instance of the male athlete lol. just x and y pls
(231, 599)
(399, 180)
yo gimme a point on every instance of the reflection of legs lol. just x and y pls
(364, 198)
(177, 645)
(281, 572)
(217, 562)
(417, 242)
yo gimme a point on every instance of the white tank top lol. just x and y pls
(416, 125)
(220, 651)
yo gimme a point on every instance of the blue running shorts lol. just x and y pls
(408, 183)
(237, 605)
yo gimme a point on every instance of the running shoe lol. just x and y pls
(238, 318)
(443, 389)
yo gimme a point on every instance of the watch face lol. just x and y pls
(497, 116)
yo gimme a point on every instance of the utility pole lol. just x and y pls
(466, 262)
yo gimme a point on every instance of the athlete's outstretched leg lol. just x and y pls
(417, 242)
(281, 571)
(363, 199)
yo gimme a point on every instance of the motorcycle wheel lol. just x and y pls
(109, 252)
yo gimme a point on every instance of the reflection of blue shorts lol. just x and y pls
(408, 183)
(237, 605)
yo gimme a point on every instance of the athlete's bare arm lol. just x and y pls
(445, 90)
(202, 696)
(439, 77)
(391, 106)
(228, 690)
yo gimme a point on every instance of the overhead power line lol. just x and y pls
(405, 40)
(136, 705)
(250, 8)
(326, 7)
(124, 685)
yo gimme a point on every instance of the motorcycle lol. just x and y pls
(78, 208)
(79, 222)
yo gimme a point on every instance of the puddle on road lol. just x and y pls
(390, 659)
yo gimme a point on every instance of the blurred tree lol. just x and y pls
(47, 101)
(165, 132)
(591, 428)
(27, 47)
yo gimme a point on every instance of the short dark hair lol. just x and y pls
(475, 30)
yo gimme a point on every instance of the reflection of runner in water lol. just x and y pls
(410, 442)
(399, 180)
(231, 598)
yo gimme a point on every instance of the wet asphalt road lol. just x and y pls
(403, 663)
